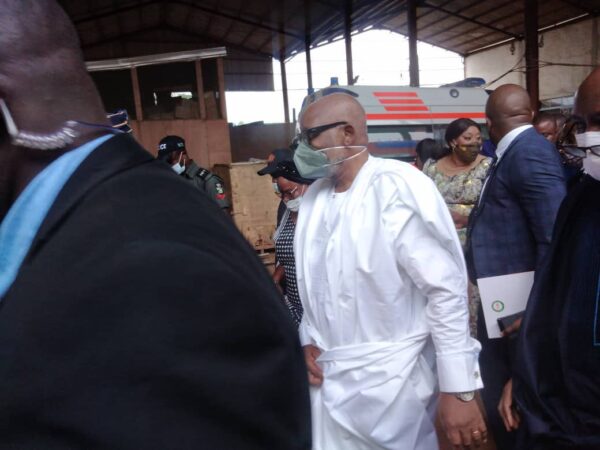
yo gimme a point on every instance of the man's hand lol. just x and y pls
(460, 221)
(315, 374)
(513, 327)
(505, 408)
(462, 422)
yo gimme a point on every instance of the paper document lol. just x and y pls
(502, 296)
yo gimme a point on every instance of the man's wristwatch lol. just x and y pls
(465, 396)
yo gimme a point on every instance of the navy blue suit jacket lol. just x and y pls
(511, 229)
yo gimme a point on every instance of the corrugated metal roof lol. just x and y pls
(110, 29)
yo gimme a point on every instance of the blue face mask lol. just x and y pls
(313, 164)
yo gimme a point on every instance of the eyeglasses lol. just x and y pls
(580, 152)
(567, 143)
(306, 136)
(288, 195)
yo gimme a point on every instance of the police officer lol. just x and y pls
(171, 149)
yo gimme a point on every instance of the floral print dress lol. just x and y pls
(461, 193)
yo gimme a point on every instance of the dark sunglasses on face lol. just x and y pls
(307, 135)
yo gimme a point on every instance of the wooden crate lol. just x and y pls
(253, 202)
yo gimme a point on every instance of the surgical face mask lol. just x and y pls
(314, 164)
(276, 188)
(178, 167)
(467, 153)
(294, 204)
(49, 141)
(591, 162)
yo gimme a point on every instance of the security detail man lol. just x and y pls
(171, 149)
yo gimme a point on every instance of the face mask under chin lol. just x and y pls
(179, 166)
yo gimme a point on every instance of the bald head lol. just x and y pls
(34, 32)
(507, 108)
(338, 108)
(42, 72)
(587, 100)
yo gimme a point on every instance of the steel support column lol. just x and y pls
(413, 64)
(532, 76)
(348, 40)
(284, 88)
(307, 39)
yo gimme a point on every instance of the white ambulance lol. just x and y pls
(399, 117)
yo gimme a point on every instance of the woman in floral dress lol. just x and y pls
(459, 175)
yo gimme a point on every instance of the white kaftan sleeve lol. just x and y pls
(303, 333)
(419, 226)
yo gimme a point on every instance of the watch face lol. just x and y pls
(466, 396)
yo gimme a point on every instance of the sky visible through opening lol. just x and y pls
(380, 58)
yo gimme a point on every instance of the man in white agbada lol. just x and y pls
(384, 288)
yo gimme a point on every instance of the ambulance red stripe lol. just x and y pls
(395, 94)
(406, 108)
(444, 115)
(401, 101)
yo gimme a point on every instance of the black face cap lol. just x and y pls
(170, 144)
(288, 170)
(280, 154)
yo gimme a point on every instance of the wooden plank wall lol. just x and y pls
(207, 141)
(254, 204)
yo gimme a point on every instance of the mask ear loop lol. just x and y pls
(53, 141)
(60, 139)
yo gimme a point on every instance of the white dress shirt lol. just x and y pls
(508, 138)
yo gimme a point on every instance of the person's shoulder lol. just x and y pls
(404, 179)
(533, 141)
(429, 166)
(484, 164)
(530, 147)
(391, 168)
(155, 196)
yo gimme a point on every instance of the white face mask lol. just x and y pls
(276, 188)
(178, 167)
(294, 204)
(591, 163)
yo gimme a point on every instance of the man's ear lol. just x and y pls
(349, 135)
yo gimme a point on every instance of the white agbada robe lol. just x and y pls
(384, 289)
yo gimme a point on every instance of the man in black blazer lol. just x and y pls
(558, 358)
(133, 315)
(510, 230)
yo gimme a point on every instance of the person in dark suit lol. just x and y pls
(510, 229)
(133, 314)
(558, 356)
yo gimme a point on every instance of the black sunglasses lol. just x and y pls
(306, 136)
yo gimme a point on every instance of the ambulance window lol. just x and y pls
(397, 141)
